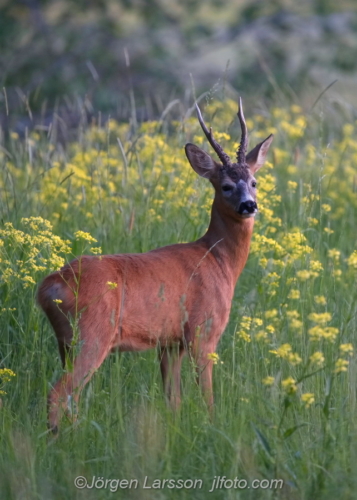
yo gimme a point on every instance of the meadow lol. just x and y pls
(285, 374)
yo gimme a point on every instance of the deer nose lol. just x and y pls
(247, 207)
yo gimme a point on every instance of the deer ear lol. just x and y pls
(200, 161)
(256, 157)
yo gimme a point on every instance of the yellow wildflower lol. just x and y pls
(261, 336)
(293, 314)
(341, 365)
(317, 358)
(307, 398)
(263, 262)
(6, 374)
(303, 275)
(244, 335)
(246, 322)
(346, 349)
(315, 268)
(285, 352)
(334, 254)
(96, 250)
(312, 221)
(214, 357)
(289, 385)
(320, 300)
(295, 324)
(270, 314)
(330, 333)
(294, 294)
(352, 260)
(82, 235)
(320, 318)
(28, 281)
(318, 332)
(269, 380)
(292, 185)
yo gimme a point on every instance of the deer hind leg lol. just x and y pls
(64, 350)
(170, 365)
(64, 396)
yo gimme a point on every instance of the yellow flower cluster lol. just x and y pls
(318, 332)
(289, 385)
(26, 253)
(214, 357)
(81, 235)
(269, 380)
(320, 318)
(294, 294)
(249, 325)
(352, 260)
(5, 376)
(346, 349)
(320, 300)
(317, 358)
(341, 365)
(308, 399)
(285, 351)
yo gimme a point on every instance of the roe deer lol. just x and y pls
(176, 298)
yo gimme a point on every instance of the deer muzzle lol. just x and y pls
(248, 208)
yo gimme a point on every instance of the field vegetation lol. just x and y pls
(285, 374)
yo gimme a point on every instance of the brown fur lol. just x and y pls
(176, 298)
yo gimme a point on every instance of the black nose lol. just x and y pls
(247, 207)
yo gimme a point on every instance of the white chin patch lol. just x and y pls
(246, 215)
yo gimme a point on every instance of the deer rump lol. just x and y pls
(170, 295)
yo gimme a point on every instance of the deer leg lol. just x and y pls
(65, 394)
(64, 350)
(170, 365)
(204, 369)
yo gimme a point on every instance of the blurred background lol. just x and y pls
(75, 57)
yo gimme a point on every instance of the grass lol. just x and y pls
(285, 381)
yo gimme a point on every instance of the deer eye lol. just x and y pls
(254, 184)
(227, 188)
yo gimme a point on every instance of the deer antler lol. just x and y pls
(208, 133)
(242, 150)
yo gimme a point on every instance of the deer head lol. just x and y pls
(234, 183)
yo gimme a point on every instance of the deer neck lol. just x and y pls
(229, 240)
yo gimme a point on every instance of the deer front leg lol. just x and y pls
(204, 369)
(170, 365)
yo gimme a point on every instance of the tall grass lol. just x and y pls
(285, 381)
